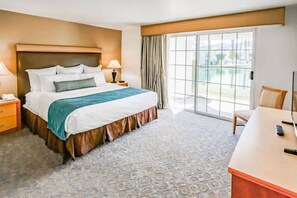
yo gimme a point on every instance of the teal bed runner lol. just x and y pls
(60, 109)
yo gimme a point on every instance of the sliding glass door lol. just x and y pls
(210, 73)
(181, 71)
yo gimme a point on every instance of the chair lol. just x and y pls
(270, 97)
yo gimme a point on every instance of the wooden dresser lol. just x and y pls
(259, 166)
(10, 116)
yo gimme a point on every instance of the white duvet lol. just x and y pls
(93, 116)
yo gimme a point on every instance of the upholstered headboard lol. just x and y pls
(42, 56)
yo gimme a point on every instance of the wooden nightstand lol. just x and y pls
(125, 84)
(10, 115)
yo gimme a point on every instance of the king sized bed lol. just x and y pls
(72, 107)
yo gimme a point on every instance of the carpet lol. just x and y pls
(181, 154)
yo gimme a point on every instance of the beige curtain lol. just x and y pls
(153, 67)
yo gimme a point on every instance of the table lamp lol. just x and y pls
(114, 64)
(3, 70)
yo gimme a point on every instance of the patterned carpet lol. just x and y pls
(179, 155)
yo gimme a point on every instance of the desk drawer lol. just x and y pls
(8, 123)
(7, 110)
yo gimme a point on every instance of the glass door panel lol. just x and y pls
(209, 73)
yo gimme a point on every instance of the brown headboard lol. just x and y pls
(42, 56)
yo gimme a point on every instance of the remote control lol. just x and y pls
(279, 130)
(291, 151)
(290, 123)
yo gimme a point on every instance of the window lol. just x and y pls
(209, 73)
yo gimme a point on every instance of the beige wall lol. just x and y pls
(20, 28)
(131, 56)
(276, 56)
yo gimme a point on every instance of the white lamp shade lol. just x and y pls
(3, 70)
(114, 64)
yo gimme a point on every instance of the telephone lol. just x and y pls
(8, 96)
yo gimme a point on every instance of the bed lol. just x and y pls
(87, 126)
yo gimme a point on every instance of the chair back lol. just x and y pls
(272, 98)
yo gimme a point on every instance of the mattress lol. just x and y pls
(92, 116)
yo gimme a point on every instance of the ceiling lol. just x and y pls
(119, 14)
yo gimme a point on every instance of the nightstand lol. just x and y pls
(10, 115)
(125, 84)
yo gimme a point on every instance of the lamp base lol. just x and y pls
(114, 74)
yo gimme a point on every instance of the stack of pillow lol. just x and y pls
(58, 78)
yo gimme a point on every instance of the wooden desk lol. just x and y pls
(259, 166)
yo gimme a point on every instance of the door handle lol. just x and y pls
(251, 75)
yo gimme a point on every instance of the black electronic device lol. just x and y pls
(289, 123)
(294, 102)
(290, 151)
(279, 130)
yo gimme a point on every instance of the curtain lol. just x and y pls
(153, 67)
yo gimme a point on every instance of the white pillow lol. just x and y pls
(88, 69)
(70, 70)
(99, 77)
(35, 73)
(47, 82)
